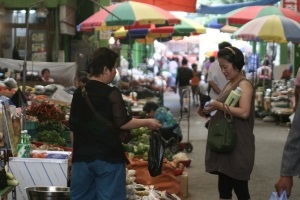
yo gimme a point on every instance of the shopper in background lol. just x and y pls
(98, 162)
(164, 116)
(183, 78)
(195, 84)
(290, 163)
(264, 74)
(216, 78)
(234, 168)
(46, 75)
(173, 67)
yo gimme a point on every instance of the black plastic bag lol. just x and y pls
(155, 154)
(203, 99)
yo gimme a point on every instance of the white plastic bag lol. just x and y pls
(274, 196)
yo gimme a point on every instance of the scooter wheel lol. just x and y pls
(189, 147)
(174, 149)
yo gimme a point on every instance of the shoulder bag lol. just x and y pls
(221, 132)
(125, 135)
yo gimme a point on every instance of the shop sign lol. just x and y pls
(105, 35)
(291, 4)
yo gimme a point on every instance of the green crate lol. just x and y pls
(30, 125)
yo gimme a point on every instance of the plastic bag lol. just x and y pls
(155, 154)
(274, 196)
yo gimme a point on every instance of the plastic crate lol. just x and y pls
(30, 125)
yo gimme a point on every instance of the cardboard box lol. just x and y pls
(183, 179)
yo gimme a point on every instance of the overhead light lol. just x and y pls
(42, 11)
(111, 40)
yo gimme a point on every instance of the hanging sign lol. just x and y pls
(104, 35)
(291, 4)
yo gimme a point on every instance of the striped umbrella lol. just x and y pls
(273, 28)
(243, 15)
(127, 13)
(186, 28)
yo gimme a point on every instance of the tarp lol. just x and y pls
(222, 9)
(173, 5)
(62, 73)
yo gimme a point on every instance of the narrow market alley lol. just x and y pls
(269, 141)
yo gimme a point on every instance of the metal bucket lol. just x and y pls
(48, 193)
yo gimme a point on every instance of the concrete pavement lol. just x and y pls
(269, 141)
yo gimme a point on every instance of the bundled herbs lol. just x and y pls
(50, 132)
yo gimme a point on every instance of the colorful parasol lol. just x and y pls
(127, 14)
(213, 53)
(186, 28)
(243, 15)
(273, 28)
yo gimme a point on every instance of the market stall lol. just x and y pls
(62, 73)
(40, 150)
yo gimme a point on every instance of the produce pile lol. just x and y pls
(139, 145)
(11, 181)
(136, 191)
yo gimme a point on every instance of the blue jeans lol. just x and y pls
(98, 180)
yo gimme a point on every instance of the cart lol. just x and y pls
(184, 116)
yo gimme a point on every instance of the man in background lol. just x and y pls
(216, 78)
(183, 78)
(290, 163)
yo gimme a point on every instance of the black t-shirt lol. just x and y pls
(184, 76)
(93, 138)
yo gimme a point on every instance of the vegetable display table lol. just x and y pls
(9, 189)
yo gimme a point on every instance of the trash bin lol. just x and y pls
(48, 193)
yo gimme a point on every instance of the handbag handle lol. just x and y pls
(226, 109)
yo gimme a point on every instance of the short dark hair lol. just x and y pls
(150, 105)
(212, 59)
(194, 65)
(233, 55)
(224, 44)
(102, 57)
(266, 62)
(45, 70)
(184, 61)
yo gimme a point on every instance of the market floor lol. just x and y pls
(269, 141)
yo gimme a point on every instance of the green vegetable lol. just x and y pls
(9, 176)
(50, 125)
(13, 182)
(51, 137)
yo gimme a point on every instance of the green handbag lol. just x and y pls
(221, 132)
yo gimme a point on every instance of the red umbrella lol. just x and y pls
(245, 14)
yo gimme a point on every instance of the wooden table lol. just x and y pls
(5, 191)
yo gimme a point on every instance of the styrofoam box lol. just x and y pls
(38, 172)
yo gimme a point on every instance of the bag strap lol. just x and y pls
(226, 108)
(88, 101)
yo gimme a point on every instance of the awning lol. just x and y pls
(222, 9)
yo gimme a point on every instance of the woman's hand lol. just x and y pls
(200, 112)
(213, 105)
(153, 124)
